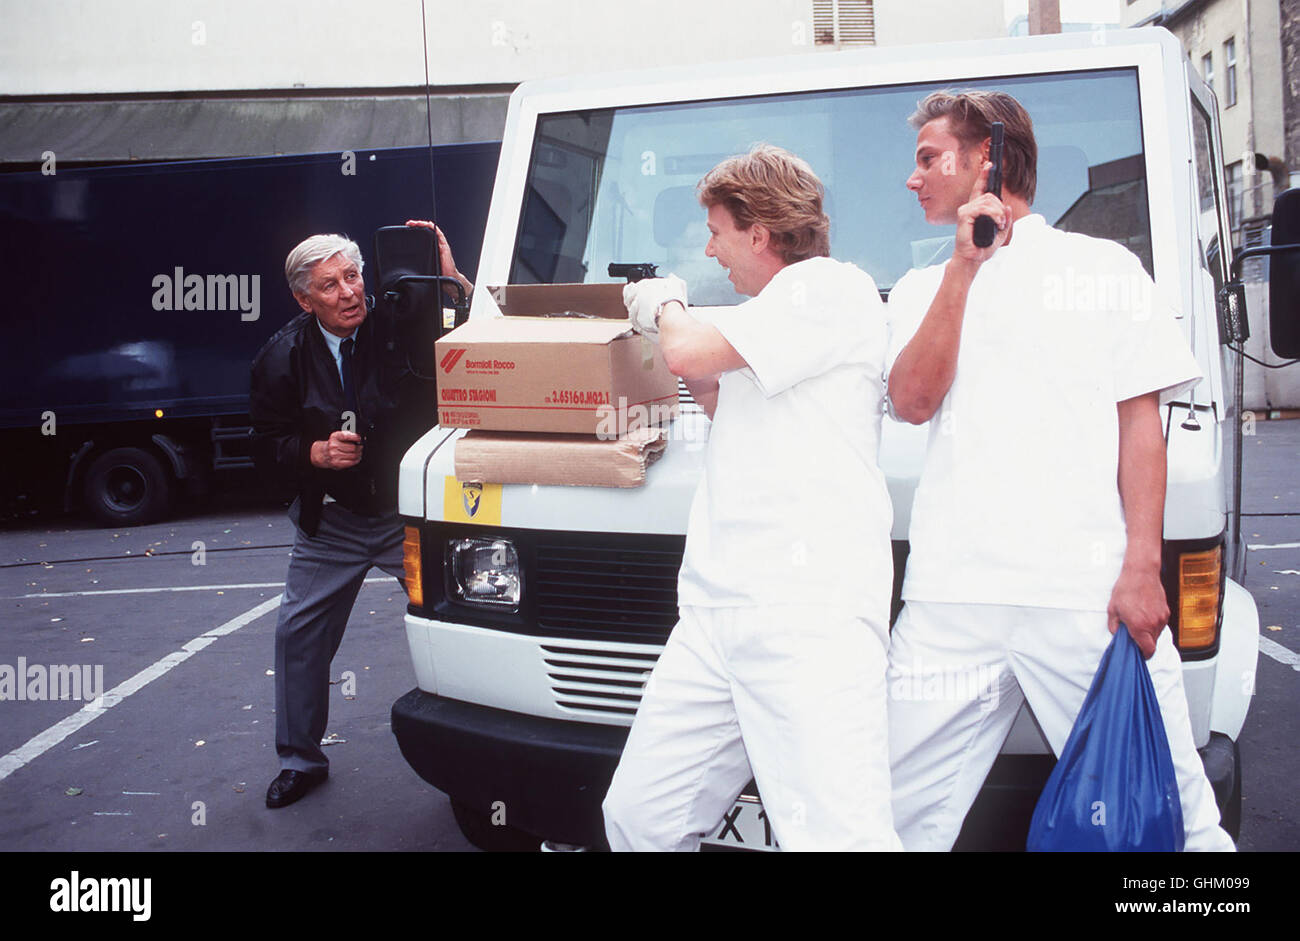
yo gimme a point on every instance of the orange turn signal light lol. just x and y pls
(1199, 577)
(411, 563)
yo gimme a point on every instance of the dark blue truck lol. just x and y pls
(143, 292)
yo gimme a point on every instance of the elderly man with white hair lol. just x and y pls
(328, 419)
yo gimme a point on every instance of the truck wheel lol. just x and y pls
(477, 827)
(127, 487)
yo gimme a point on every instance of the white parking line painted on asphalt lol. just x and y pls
(43, 742)
(1271, 648)
(145, 591)
(1276, 545)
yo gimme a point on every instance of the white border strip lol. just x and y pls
(1271, 648)
(145, 591)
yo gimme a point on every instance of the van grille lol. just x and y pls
(624, 593)
(591, 680)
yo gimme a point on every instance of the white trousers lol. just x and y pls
(958, 674)
(792, 696)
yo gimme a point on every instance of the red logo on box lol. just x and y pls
(451, 359)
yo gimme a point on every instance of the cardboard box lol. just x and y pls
(537, 369)
(503, 457)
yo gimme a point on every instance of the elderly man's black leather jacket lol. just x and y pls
(296, 398)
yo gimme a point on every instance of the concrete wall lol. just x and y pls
(60, 47)
(904, 22)
(1289, 27)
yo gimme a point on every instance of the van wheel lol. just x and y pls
(127, 487)
(477, 827)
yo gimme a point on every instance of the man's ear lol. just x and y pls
(303, 301)
(760, 236)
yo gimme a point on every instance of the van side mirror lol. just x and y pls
(1283, 252)
(1284, 276)
(410, 294)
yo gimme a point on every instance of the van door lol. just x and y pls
(1214, 257)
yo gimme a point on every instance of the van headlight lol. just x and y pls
(484, 572)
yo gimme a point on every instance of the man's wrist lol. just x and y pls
(659, 310)
(964, 268)
(1142, 563)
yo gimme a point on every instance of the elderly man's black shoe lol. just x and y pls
(289, 786)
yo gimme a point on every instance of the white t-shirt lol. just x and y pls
(792, 507)
(1018, 502)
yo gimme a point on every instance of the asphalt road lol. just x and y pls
(183, 762)
(182, 759)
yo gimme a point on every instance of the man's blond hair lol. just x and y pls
(776, 189)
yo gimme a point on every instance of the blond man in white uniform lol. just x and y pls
(776, 667)
(1036, 527)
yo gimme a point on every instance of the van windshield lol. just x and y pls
(618, 184)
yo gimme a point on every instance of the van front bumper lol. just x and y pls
(550, 775)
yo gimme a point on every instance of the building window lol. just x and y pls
(1230, 72)
(844, 22)
(1207, 69)
(1233, 175)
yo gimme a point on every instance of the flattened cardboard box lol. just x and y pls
(504, 457)
(532, 371)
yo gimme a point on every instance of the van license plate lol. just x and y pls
(745, 825)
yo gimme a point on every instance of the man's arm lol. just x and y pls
(924, 370)
(1138, 598)
(280, 450)
(705, 393)
(446, 262)
(695, 350)
(281, 447)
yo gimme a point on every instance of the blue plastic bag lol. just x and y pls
(1113, 788)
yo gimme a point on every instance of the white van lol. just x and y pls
(542, 609)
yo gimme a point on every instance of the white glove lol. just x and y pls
(645, 299)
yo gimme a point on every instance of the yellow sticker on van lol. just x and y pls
(471, 503)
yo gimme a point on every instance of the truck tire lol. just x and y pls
(477, 827)
(127, 487)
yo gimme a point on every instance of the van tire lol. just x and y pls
(127, 487)
(477, 827)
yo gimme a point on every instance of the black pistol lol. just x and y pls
(985, 227)
(633, 272)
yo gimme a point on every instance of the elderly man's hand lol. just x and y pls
(341, 450)
(445, 260)
(644, 298)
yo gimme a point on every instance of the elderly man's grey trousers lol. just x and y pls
(325, 574)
